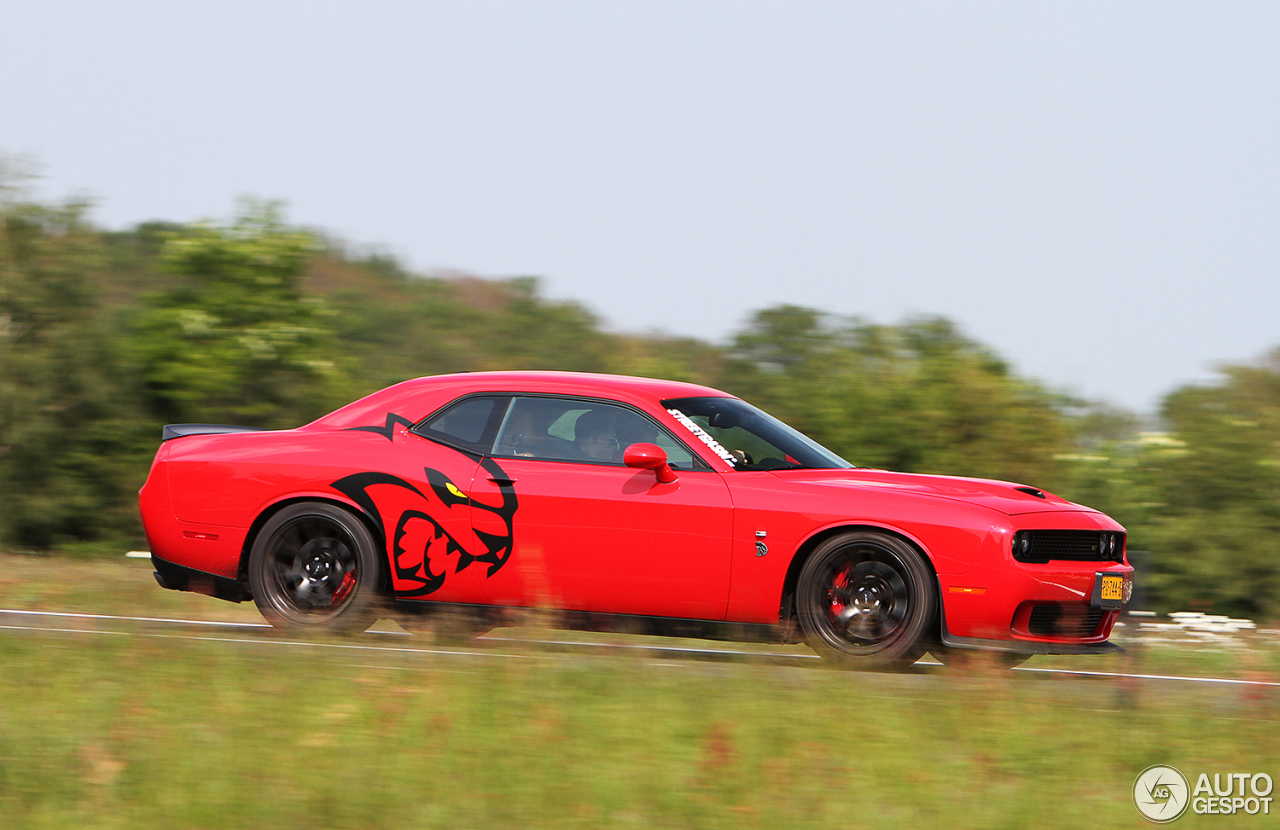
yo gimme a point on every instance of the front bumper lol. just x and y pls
(1057, 607)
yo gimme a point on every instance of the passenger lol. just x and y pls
(594, 436)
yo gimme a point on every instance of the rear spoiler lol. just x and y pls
(172, 431)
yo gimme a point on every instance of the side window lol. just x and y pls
(468, 424)
(678, 455)
(557, 429)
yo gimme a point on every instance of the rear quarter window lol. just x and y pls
(469, 423)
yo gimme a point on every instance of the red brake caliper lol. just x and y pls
(344, 588)
(841, 581)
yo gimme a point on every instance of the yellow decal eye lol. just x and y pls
(452, 489)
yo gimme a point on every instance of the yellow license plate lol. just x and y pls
(1113, 588)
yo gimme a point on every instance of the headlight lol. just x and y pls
(1021, 544)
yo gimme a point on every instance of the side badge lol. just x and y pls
(761, 547)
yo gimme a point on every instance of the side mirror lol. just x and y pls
(650, 457)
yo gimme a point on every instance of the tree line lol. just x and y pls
(107, 335)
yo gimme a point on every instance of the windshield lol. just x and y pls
(748, 438)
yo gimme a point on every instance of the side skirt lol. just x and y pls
(596, 621)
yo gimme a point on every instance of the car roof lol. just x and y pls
(416, 398)
(566, 383)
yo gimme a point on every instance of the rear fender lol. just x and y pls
(351, 507)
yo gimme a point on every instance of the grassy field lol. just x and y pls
(134, 728)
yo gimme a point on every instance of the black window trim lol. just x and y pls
(700, 464)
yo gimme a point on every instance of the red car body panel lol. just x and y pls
(613, 540)
(716, 544)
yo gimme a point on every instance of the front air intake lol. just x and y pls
(1064, 621)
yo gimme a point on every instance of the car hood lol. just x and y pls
(1004, 496)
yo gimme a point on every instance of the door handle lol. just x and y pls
(503, 481)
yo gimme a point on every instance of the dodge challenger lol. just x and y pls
(670, 507)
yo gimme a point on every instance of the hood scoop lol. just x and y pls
(1030, 491)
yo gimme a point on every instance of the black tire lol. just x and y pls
(315, 566)
(866, 600)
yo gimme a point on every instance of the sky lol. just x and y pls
(1090, 189)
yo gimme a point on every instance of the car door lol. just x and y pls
(417, 487)
(592, 534)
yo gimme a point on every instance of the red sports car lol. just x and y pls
(675, 507)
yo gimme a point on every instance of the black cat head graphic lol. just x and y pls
(435, 530)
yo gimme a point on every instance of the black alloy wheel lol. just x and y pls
(315, 566)
(866, 600)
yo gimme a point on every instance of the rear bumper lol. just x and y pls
(177, 577)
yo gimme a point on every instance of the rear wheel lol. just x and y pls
(315, 566)
(865, 600)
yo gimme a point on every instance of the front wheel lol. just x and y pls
(865, 600)
(315, 566)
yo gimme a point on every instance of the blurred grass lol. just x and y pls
(101, 585)
(113, 730)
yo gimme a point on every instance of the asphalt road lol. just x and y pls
(493, 646)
